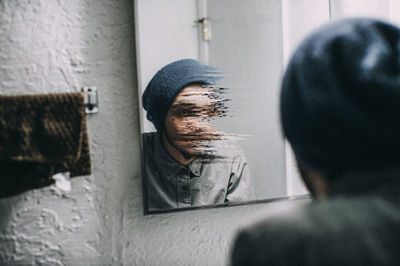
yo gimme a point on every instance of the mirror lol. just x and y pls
(243, 40)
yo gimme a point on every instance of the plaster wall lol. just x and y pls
(59, 46)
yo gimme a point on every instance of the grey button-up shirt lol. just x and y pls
(170, 185)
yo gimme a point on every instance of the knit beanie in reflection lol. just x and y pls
(340, 97)
(169, 81)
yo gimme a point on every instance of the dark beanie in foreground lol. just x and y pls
(340, 97)
(169, 81)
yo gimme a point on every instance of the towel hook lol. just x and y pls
(91, 99)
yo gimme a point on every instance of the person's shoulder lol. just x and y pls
(149, 137)
(149, 140)
(265, 240)
(276, 226)
(322, 233)
(305, 218)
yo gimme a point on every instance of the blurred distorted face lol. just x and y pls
(187, 124)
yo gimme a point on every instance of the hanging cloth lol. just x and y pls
(41, 135)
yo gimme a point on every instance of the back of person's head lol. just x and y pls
(340, 98)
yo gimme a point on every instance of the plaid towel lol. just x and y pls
(41, 135)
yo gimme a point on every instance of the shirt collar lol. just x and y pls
(195, 167)
(168, 165)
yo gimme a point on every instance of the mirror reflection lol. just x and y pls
(209, 85)
(188, 162)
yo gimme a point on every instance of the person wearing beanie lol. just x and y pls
(187, 162)
(340, 109)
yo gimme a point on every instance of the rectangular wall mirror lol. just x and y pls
(243, 39)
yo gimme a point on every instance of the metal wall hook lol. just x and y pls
(91, 99)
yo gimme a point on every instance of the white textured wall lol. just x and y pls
(58, 46)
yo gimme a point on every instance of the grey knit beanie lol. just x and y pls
(169, 81)
(340, 97)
